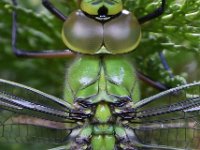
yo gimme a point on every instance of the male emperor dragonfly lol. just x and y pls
(101, 108)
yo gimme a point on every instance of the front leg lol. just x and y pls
(53, 10)
(158, 12)
(34, 54)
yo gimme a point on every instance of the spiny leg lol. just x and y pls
(152, 83)
(158, 12)
(53, 10)
(26, 53)
(165, 64)
(156, 84)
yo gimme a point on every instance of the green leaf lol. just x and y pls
(177, 29)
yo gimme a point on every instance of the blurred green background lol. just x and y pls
(177, 33)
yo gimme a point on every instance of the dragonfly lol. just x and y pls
(102, 108)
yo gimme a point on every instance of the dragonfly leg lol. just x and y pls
(156, 84)
(165, 64)
(53, 10)
(81, 138)
(159, 11)
(126, 138)
(33, 54)
(151, 82)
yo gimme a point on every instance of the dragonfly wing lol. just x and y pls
(170, 119)
(22, 99)
(29, 115)
(171, 134)
(26, 129)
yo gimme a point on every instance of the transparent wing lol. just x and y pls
(168, 120)
(29, 115)
(26, 129)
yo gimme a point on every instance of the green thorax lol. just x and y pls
(87, 35)
(99, 82)
(98, 79)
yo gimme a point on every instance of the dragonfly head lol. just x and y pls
(101, 9)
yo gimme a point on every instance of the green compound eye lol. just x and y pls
(93, 7)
